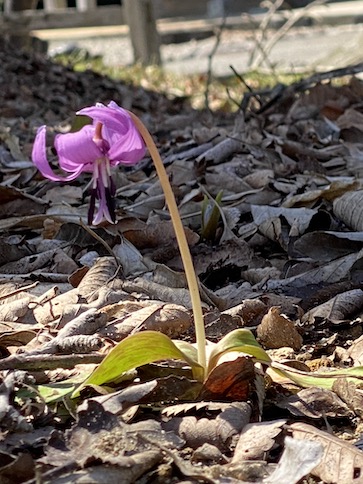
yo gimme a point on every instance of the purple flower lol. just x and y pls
(111, 139)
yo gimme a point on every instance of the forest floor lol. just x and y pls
(271, 200)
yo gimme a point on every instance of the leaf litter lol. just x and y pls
(271, 203)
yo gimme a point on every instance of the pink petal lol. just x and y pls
(130, 149)
(77, 149)
(126, 143)
(39, 157)
(115, 118)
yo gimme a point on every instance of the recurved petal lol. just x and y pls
(77, 150)
(124, 139)
(113, 116)
(40, 160)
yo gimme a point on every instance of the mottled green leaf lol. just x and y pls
(241, 340)
(134, 351)
(321, 380)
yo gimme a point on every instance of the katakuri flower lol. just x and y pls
(110, 140)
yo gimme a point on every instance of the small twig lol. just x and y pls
(304, 84)
(260, 31)
(48, 476)
(18, 291)
(47, 362)
(290, 22)
(246, 98)
(210, 59)
(281, 91)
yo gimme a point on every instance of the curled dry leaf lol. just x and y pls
(341, 308)
(61, 309)
(12, 250)
(105, 271)
(170, 319)
(221, 151)
(250, 310)
(130, 259)
(270, 221)
(341, 463)
(15, 310)
(157, 390)
(17, 337)
(326, 246)
(221, 431)
(159, 292)
(350, 394)
(330, 273)
(297, 461)
(99, 437)
(330, 192)
(349, 209)
(356, 351)
(316, 403)
(276, 331)
(55, 259)
(233, 254)
(256, 439)
(145, 235)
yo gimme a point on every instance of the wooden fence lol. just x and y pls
(20, 17)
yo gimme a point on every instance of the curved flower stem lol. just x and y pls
(180, 237)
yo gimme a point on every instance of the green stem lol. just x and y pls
(181, 239)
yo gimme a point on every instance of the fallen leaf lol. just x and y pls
(256, 439)
(298, 460)
(221, 431)
(341, 462)
(276, 331)
(316, 403)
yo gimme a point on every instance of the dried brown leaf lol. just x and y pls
(221, 431)
(170, 319)
(342, 462)
(104, 271)
(326, 246)
(256, 439)
(250, 310)
(355, 351)
(349, 209)
(297, 461)
(340, 309)
(54, 260)
(276, 331)
(230, 380)
(315, 403)
(335, 271)
(350, 394)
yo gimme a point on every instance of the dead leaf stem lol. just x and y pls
(19, 290)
